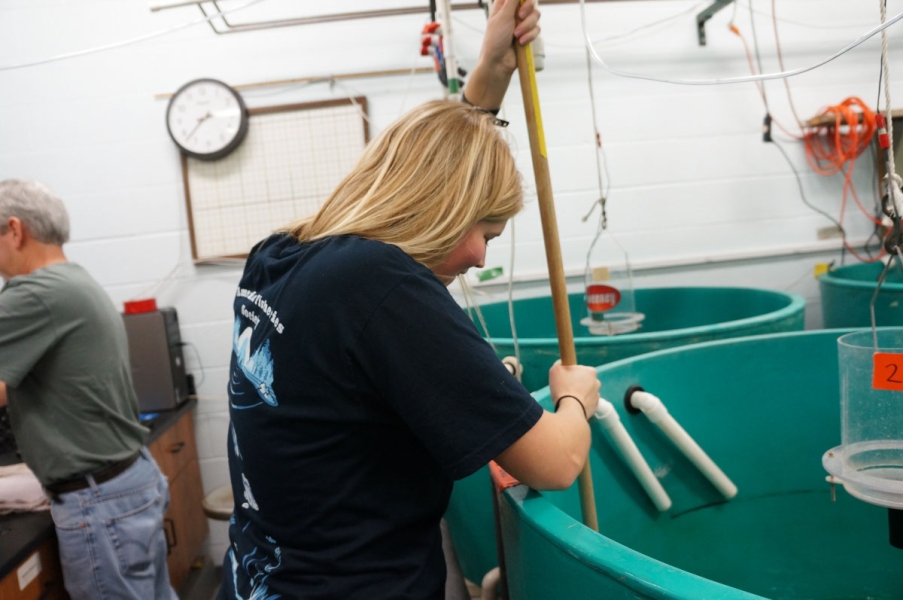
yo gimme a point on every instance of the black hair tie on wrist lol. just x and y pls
(557, 402)
(492, 111)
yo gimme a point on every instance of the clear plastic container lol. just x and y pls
(869, 461)
(609, 299)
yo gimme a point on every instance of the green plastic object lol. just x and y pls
(674, 317)
(847, 292)
(765, 409)
(487, 274)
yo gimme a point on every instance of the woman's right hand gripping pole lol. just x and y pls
(551, 454)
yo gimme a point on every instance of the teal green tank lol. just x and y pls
(765, 409)
(673, 317)
(846, 294)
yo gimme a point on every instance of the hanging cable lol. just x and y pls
(114, 45)
(601, 166)
(832, 146)
(760, 85)
(812, 25)
(727, 80)
(474, 308)
(777, 43)
(828, 150)
(517, 372)
(893, 187)
(843, 234)
(752, 26)
(893, 207)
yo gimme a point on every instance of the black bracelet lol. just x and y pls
(492, 111)
(557, 402)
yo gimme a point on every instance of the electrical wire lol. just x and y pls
(799, 183)
(474, 308)
(727, 80)
(197, 354)
(759, 84)
(601, 166)
(124, 43)
(831, 147)
(777, 43)
(610, 40)
(752, 26)
(834, 147)
(518, 372)
(893, 184)
(811, 25)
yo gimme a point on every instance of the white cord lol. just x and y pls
(803, 24)
(350, 94)
(893, 189)
(518, 372)
(142, 38)
(610, 40)
(472, 304)
(744, 79)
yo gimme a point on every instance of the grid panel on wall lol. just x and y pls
(289, 163)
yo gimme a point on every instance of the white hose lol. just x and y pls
(626, 447)
(653, 408)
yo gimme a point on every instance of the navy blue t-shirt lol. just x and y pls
(359, 391)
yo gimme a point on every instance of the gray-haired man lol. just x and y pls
(64, 372)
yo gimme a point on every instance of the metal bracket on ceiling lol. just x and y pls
(707, 14)
(221, 25)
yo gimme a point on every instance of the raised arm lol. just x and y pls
(551, 454)
(508, 21)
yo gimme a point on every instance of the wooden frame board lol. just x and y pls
(292, 159)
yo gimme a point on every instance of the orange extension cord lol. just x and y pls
(834, 146)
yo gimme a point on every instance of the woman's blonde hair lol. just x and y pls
(423, 183)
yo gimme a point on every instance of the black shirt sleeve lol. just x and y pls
(423, 355)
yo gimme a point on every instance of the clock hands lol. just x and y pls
(200, 121)
(205, 100)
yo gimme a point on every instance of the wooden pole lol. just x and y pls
(527, 73)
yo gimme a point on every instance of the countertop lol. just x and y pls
(22, 533)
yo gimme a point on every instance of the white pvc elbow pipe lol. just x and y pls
(653, 408)
(609, 418)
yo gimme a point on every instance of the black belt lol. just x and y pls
(81, 482)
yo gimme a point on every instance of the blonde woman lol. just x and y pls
(360, 390)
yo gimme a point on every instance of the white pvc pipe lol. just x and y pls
(514, 367)
(609, 418)
(448, 49)
(653, 408)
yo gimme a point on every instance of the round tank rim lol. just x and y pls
(842, 282)
(632, 569)
(797, 303)
(546, 519)
(542, 394)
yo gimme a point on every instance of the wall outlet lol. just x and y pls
(830, 232)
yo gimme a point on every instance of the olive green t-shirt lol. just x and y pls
(64, 358)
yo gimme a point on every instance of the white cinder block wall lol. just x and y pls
(696, 197)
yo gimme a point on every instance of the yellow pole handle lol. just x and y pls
(527, 73)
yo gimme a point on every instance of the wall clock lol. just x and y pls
(206, 119)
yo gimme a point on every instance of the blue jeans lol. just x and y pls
(111, 536)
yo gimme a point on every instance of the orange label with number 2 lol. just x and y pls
(887, 373)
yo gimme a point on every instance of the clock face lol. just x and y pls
(207, 119)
